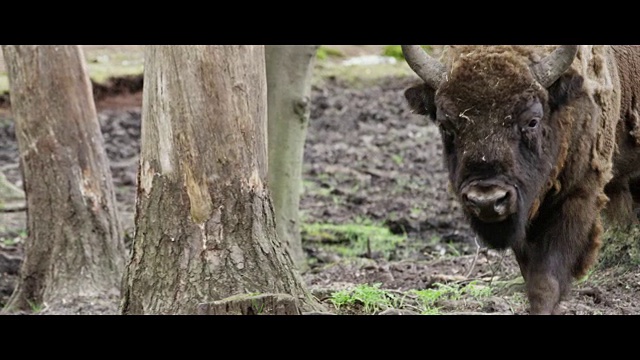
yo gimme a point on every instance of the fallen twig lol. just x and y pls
(475, 258)
(493, 271)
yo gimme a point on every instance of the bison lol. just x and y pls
(539, 143)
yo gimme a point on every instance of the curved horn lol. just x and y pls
(429, 69)
(549, 69)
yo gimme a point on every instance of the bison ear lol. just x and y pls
(566, 88)
(421, 99)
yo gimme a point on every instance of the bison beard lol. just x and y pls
(504, 234)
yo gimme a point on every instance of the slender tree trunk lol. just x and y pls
(289, 70)
(204, 219)
(74, 247)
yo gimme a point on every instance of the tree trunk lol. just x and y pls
(289, 70)
(204, 219)
(74, 247)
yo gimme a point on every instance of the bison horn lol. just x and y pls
(429, 69)
(549, 69)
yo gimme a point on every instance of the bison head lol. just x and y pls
(495, 108)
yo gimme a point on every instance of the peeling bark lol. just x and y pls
(204, 220)
(74, 246)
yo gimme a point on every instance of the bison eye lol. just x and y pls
(533, 123)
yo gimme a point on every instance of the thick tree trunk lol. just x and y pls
(289, 70)
(204, 220)
(74, 247)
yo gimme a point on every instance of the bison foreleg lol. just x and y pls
(563, 250)
(546, 279)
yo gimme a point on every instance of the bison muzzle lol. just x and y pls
(538, 141)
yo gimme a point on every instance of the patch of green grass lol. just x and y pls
(35, 308)
(259, 307)
(509, 286)
(620, 247)
(11, 241)
(370, 297)
(453, 250)
(428, 298)
(585, 278)
(394, 51)
(322, 188)
(323, 176)
(308, 184)
(353, 239)
(393, 216)
(398, 159)
(416, 211)
(434, 240)
(430, 311)
(477, 291)
(324, 191)
(325, 52)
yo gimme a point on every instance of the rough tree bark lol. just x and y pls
(289, 70)
(74, 248)
(204, 219)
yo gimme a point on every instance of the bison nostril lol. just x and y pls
(501, 203)
(472, 201)
(488, 202)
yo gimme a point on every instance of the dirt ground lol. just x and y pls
(367, 160)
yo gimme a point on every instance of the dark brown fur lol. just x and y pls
(588, 138)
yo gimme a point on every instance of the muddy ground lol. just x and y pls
(369, 163)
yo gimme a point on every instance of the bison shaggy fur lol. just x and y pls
(537, 165)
